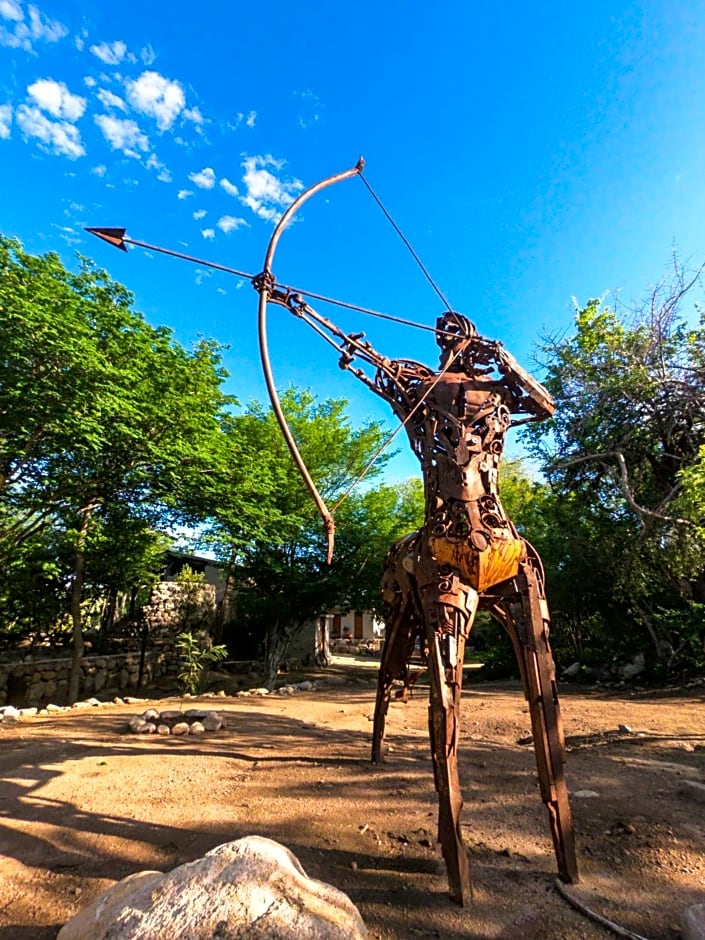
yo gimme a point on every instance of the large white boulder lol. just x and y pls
(252, 888)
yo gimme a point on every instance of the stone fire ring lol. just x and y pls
(191, 721)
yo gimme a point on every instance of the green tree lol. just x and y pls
(100, 413)
(626, 445)
(283, 579)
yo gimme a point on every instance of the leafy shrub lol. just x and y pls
(195, 661)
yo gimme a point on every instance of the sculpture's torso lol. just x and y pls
(458, 435)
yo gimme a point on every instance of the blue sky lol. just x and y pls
(531, 154)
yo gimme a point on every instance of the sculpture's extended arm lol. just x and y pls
(392, 379)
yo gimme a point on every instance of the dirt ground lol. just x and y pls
(84, 804)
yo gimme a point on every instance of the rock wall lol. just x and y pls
(172, 609)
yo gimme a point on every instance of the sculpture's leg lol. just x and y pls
(398, 648)
(448, 628)
(402, 626)
(527, 621)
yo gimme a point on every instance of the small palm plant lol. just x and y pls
(195, 662)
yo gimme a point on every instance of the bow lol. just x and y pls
(265, 284)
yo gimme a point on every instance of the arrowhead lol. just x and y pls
(113, 236)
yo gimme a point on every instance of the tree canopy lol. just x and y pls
(624, 454)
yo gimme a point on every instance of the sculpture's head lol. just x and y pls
(454, 333)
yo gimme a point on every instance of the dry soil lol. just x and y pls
(84, 804)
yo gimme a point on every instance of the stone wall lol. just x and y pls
(173, 608)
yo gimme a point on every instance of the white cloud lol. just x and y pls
(200, 214)
(10, 10)
(229, 223)
(311, 105)
(24, 34)
(265, 194)
(184, 194)
(156, 96)
(89, 81)
(148, 55)
(194, 115)
(5, 121)
(228, 187)
(112, 53)
(110, 100)
(235, 122)
(122, 134)
(58, 137)
(208, 233)
(153, 163)
(204, 179)
(55, 98)
(99, 170)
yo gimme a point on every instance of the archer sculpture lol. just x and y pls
(467, 555)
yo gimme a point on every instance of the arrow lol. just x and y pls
(117, 237)
(114, 236)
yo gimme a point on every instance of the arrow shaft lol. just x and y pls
(184, 257)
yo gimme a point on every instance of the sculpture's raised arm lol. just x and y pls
(530, 396)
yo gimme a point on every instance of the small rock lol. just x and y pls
(198, 713)
(51, 708)
(571, 672)
(196, 728)
(625, 729)
(151, 714)
(163, 729)
(131, 700)
(261, 691)
(138, 725)
(118, 701)
(172, 715)
(181, 727)
(10, 713)
(306, 686)
(220, 693)
(529, 739)
(213, 722)
(585, 794)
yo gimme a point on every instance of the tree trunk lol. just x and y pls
(76, 595)
(276, 642)
(226, 602)
(108, 619)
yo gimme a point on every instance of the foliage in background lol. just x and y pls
(623, 457)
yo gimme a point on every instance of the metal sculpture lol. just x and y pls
(467, 556)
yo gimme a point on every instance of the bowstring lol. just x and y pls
(406, 241)
(402, 424)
